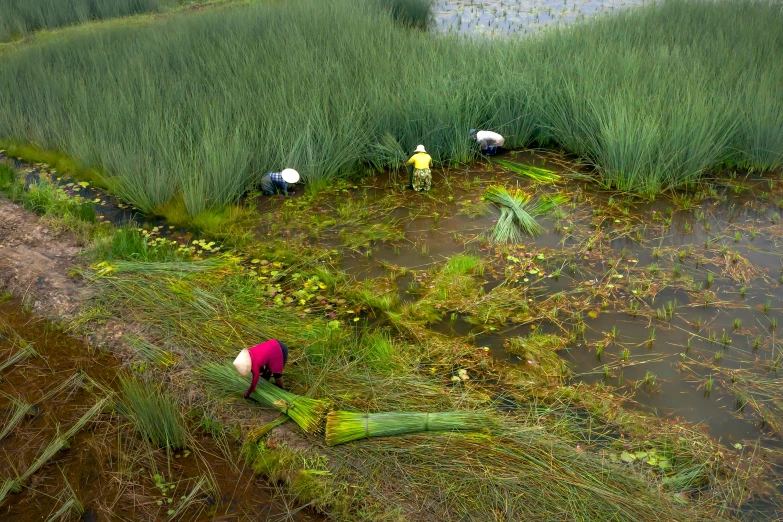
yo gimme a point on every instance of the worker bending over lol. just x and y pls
(489, 141)
(265, 360)
(276, 182)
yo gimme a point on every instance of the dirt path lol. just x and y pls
(35, 263)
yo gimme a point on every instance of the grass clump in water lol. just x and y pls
(154, 414)
(412, 13)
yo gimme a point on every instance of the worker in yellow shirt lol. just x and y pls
(422, 177)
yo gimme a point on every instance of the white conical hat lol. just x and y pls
(420, 148)
(243, 364)
(290, 176)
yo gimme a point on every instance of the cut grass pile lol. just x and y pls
(196, 108)
(347, 426)
(20, 17)
(537, 174)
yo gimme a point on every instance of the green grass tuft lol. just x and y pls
(154, 414)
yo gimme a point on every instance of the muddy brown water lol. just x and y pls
(106, 467)
(665, 227)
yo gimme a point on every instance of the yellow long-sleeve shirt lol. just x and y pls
(421, 160)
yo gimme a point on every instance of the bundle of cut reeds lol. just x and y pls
(345, 426)
(537, 174)
(142, 267)
(518, 213)
(307, 413)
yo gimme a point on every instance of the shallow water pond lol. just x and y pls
(674, 302)
(518, 17)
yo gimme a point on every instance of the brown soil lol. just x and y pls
(35, 263)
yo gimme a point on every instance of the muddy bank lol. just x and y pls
(35, 263)
(106, 469)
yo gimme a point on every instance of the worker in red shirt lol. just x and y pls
(266, 359)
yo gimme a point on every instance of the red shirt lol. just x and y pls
(267, 355)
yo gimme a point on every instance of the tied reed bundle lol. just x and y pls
(345, 426)
(307, 413)
(518, 213)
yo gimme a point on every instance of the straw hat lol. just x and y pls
(290, 176)
(420, 148)
(242, 363)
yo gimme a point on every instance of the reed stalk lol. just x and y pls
(25, 352)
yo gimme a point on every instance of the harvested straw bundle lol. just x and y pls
(307, 413)
(345, 426)
(518, 213)
(537, 174)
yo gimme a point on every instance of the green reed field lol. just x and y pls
(195, 108)
(20, 17)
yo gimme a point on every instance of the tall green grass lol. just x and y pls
(200, 106)
(20, 17)
(412, 13)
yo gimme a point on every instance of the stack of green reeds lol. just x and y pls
(537, 174)
(345, 426)
(518, 213)
(307, 413)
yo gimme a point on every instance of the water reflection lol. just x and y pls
(518, 17)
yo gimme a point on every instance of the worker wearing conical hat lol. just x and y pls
(276, 182)
(265, 360)
(421, 180)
